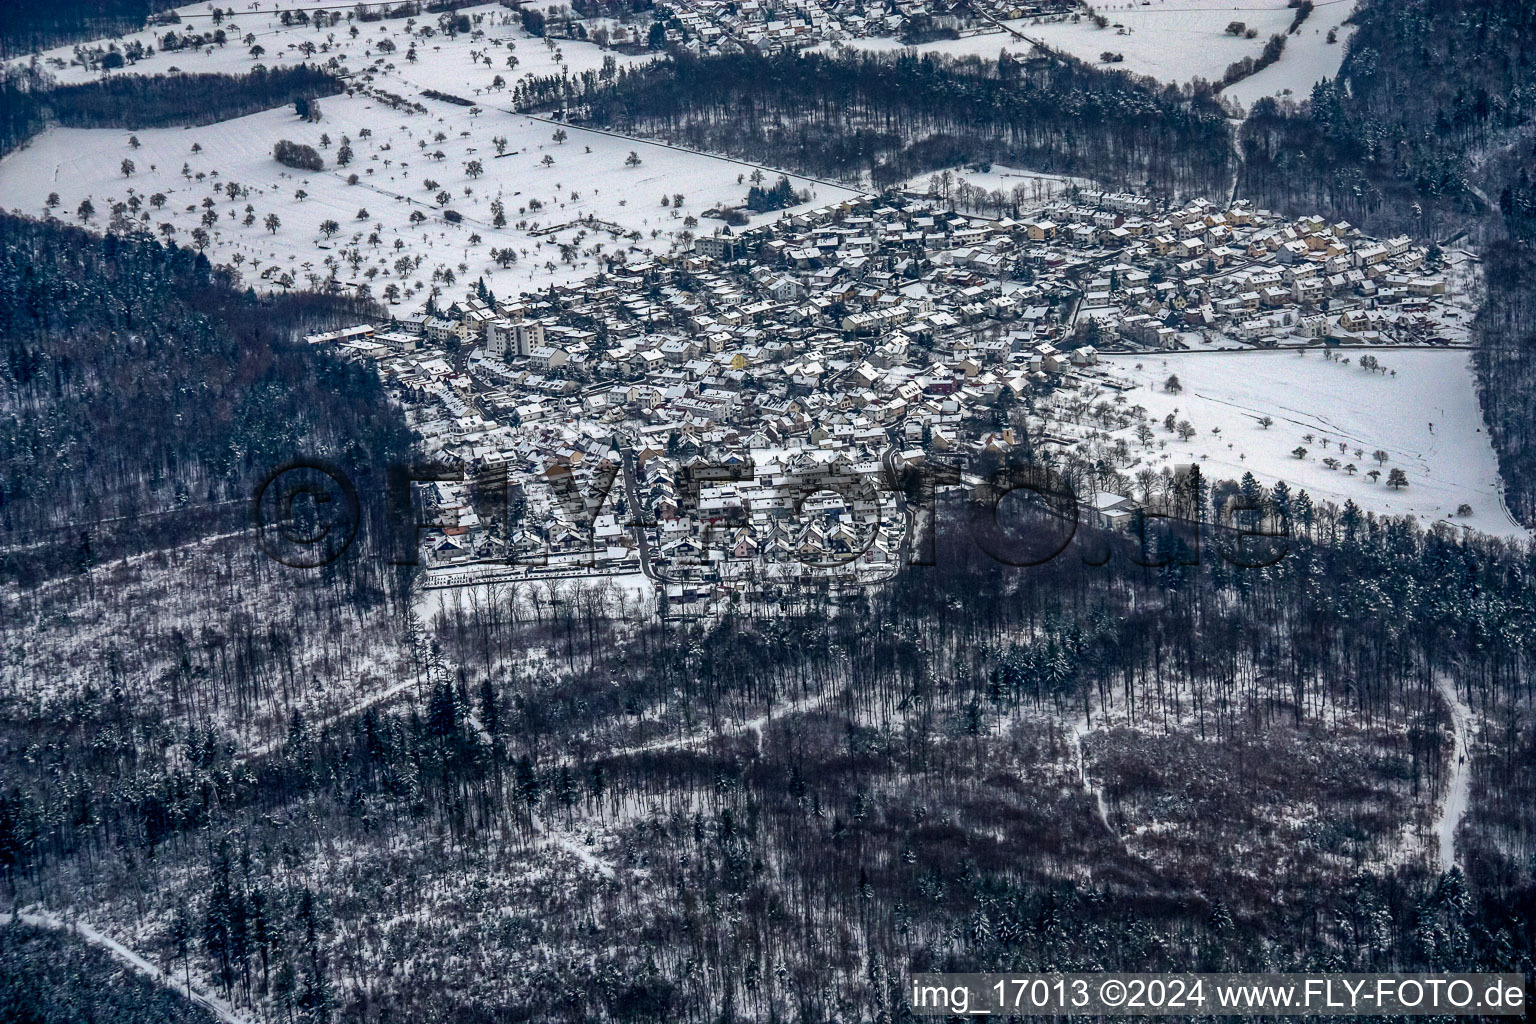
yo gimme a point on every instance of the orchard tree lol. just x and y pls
(272, 223)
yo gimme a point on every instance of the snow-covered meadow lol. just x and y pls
(1308, 58)
(1174, 41)
(1422, 411)
(1180, 40)
(391, 227)
(1038, 187)
(1170, 40)
(257, 34)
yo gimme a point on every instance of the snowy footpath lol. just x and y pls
(44, 919)
(1453, 806)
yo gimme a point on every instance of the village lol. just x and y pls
(725, 26)
(731, 420)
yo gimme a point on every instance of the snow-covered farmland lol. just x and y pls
(1038, 187)
(540, 183)
(1424, 415)
(1308, 58)
(390, 228)
(1173, 41)
(257, 35)
(1170, 40)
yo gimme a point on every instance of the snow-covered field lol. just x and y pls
(987, 44)
(1307, 59)
(443, 62)
(539, 182)
(1170, 40)
(1425, 417)
(1038, 186)
(1175, 41)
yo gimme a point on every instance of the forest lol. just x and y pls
(144, 395)
(30, 99)
(567, 814)
(25, 27)
(893, 117)
(1424, 129)
(1506, 368)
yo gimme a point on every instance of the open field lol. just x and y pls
(545, 187)
(1424, 416)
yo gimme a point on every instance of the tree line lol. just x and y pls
(28, 27)
(30, 99)
(891, 117)
(1505, 331)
